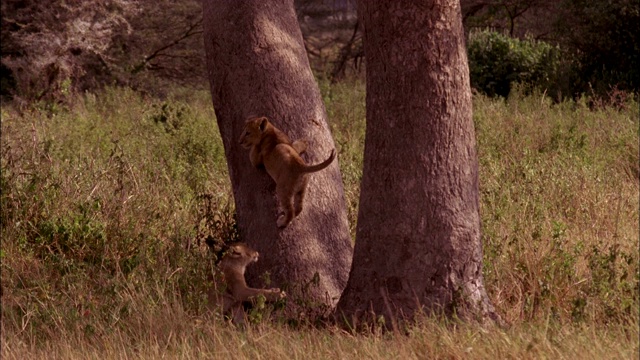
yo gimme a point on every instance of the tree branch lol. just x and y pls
(191, 31)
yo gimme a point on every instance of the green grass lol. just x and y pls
(105, 205)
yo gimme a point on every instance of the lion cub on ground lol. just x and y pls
(283, 163)
(233, 266)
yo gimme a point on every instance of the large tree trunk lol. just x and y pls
(418, 234)
(257, 66)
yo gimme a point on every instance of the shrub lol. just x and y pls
(497, 61)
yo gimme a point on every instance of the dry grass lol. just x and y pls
(173, 335)
(560, 209)
(105, 204)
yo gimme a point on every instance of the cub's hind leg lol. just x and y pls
(237, 314)
(299, 197)
(285, 198)
(300, 146)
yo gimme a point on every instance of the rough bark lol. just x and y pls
(257, 66)
(418, 241)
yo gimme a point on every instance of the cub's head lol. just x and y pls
(240, 253)
(253, 130)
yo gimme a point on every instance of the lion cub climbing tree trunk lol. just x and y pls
(257, 66)
(418, 233)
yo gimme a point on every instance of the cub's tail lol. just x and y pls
(322, 165)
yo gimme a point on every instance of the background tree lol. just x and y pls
(257, 65)
(517, 18)
(47, 44)
(418, 233)
(332, 36)
(52, 49)
(165, 47)
(604, 37)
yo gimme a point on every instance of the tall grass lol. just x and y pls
(559, 206)
(106, 206)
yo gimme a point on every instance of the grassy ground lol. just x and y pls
(105, 204)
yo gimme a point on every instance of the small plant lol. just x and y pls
(260, 310)
(172, 116)
(614, 280)
(216, 225)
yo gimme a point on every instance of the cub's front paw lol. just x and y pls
(281, 294)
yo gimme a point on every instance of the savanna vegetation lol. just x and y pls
(115, 191)
(107, 206)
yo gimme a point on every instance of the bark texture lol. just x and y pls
(257, 66)
(418, 241)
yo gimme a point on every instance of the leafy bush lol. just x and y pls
(497, 61)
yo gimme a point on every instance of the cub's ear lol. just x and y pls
(263, 123)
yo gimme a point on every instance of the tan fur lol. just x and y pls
(278, 138)
(233, 266)
(299, 145)
(281, 159)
